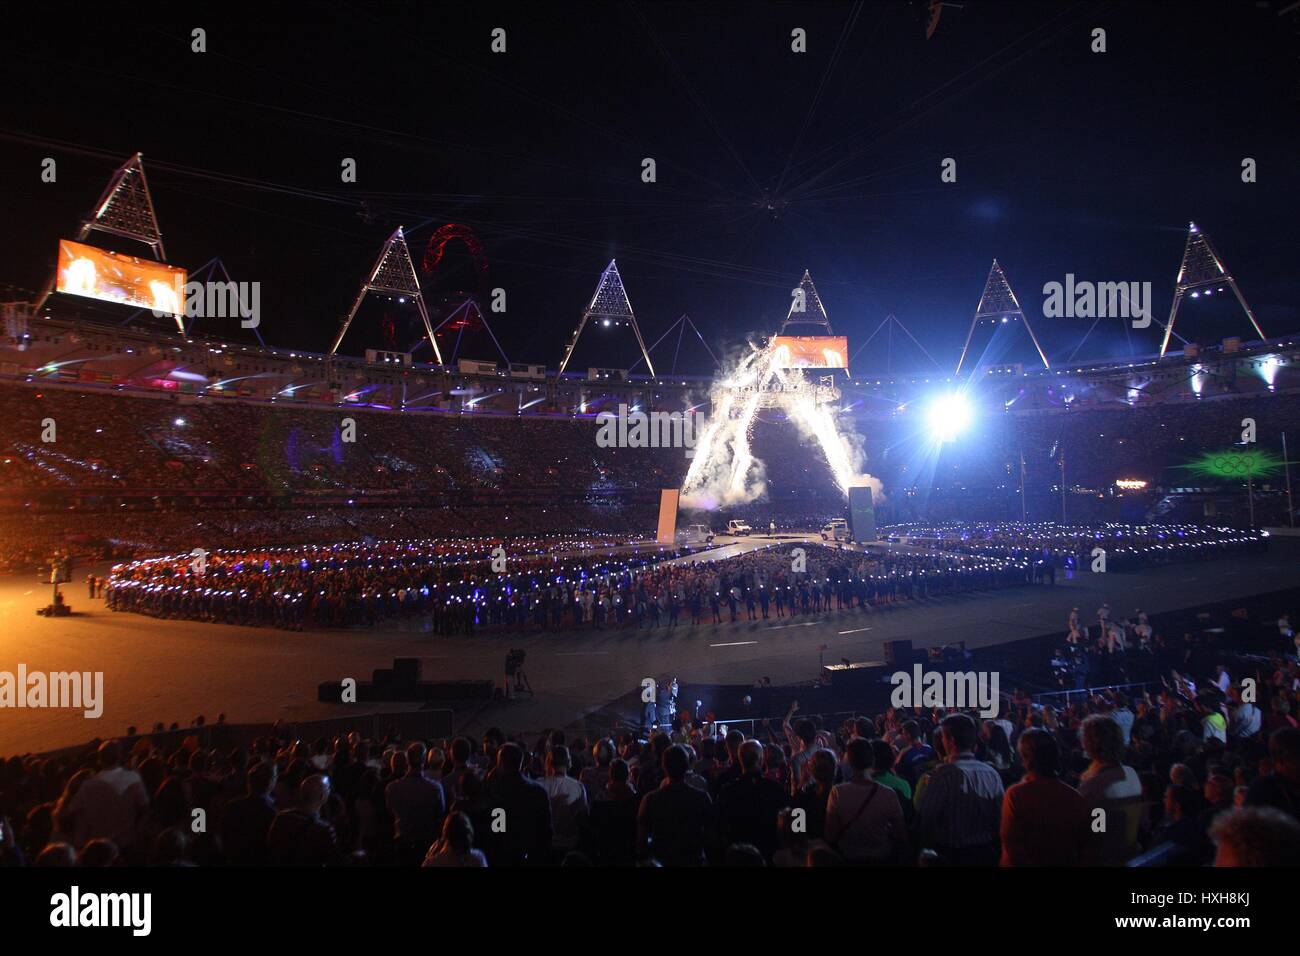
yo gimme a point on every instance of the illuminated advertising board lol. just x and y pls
(812, 351)
(126, 280)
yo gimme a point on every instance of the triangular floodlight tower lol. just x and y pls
(394, 273)
(997, 303)
(126, 209)
(813, 312)
(466, 309)
(609, 301)
(1202, 267)
(680, 326)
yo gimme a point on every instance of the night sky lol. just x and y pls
(768, 161)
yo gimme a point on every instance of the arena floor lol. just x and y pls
(170, 671)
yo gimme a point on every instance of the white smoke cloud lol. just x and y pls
(724, 471)
(875, 484)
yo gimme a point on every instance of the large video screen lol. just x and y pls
(813, 351)
(113, 277)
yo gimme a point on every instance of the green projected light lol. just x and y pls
(1235, 463)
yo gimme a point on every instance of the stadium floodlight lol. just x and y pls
(1268, 370)
(1201, 271)
(948, 416)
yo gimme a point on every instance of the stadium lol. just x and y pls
(353, 583)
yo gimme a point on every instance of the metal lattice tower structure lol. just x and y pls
(997, 306)
(891, 322)
(1201, 268)
(125, 209)
(812, 313)
(394, 273)
(463, 315)
(609, 303)
(680, 326)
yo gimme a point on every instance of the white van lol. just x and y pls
(695, 535)
(738, 526)
(837, 529)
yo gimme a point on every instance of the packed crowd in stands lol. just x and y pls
(1184, 777)
(127, 475)
(1149, 441)
(978, 476)
(107, 442)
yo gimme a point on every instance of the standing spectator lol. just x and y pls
(1281, 788)
(461, 752)
(110, 804)
(1222, 679)
(915, 754)
(247, 821)
(800, 737)
(731, 770)
(882, 771)
(568, 799)
(961, 807)
(1183, 826)
(415, 803)
(614, 818)
(1244, 718)
(525, 837)
(748, 807)
(816, 794)
(1044, 820)
(300, 836)
(594, 778)
(1214, 724)
(1111, 786)
(1122, 715)
(673, 819)
(864, 821)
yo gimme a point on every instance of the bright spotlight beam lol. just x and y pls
(948, 416)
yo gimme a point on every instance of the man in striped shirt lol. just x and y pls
(961, 807)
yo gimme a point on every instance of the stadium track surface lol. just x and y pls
(172, 671)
